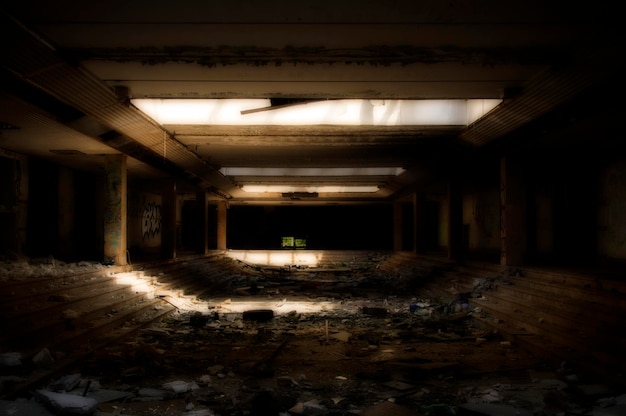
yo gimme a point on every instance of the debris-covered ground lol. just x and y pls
(318, 345)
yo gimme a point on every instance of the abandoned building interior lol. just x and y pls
(228, 208)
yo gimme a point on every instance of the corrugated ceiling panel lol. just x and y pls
(37, 63)
(542, 95)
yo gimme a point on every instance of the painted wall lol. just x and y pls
(443, 238)
(13, 202)
(612, 212)
(544, 226)
(144, 222)
(481, 217)
(66, 221)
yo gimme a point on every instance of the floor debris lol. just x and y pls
(330, 345)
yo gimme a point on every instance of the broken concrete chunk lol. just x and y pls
(155, 331)
(200, 412)
(103, 395)
(67, 404)
(398, 385)
(10, 359)
(387, 408)
(154, 393)
(308, 408)
(489, 409)
(66, 383)
(8, 380)
(89, 385)
(205, 379)
(595, 390)
(43, 358)
(286, 381)
(618, 410)
(552, 384)
(342, 336)
(215, 369)
(180, 386)
(23, 407)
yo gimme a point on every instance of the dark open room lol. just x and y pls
(213, 208)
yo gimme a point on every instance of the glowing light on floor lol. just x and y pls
(277, 258)
(149, 285)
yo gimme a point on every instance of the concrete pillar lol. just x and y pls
(202, 226)
(455, 220)
(419, 223)
(168, 220)
(222, 207)
(397, 227)
(512, 212)
(115, 210)
(65, 223)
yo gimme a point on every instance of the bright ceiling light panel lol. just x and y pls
(304, 172)
(354, 112)
(319, 189)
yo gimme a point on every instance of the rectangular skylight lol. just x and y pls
(349, 112)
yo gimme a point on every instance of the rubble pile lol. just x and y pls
(311, 342)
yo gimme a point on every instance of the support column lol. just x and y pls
(222, 207)
(455, 220)
(419, 223)
(66, 220)
(512, 211)
(202, 228)
(168, 221)
(397, 227)
(115, 210)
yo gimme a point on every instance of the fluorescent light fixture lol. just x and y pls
(318, 189)
(197, 111)
(350, 112)
(368, 171)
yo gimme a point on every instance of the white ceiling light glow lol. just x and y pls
(318, 189)
(197, 111)
(325, 112)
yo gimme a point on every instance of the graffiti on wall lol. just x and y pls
(151, 220)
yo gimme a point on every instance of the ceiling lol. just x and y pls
(69, 71)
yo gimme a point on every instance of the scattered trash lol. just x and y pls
(332, 350)
(11, 359)
(67, 404)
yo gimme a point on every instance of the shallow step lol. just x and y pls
(603, 349)
(76, 351)
(579, 291)
(36, 319)
(563, 308)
